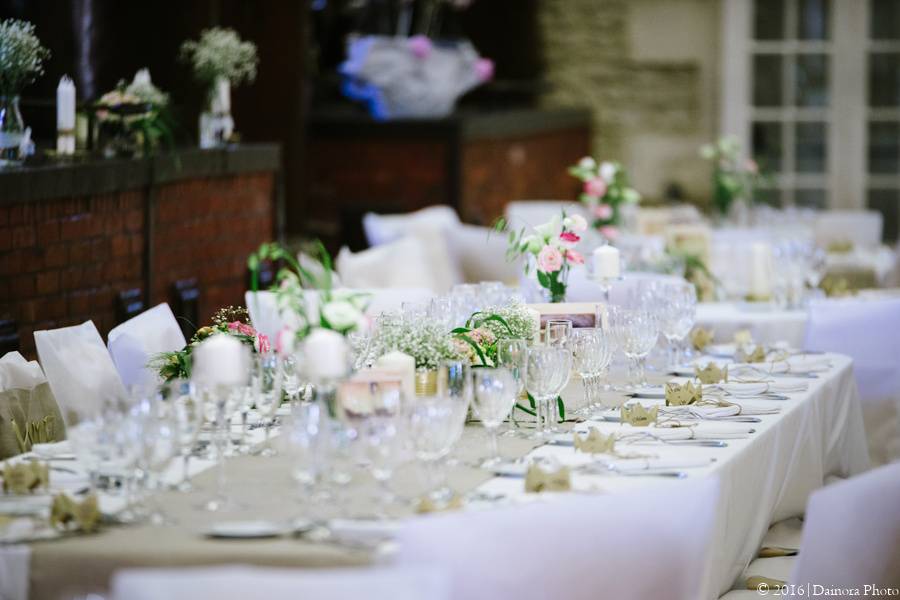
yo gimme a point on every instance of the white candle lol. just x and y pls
(606, 263)
(535, 316)
(65, 116)
(402, 364)
(761, 270)
(221, 360)
(327, 355)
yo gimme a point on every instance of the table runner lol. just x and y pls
(764, 478)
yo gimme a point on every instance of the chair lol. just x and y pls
(240, 583)
(860, 227)
(628, 546)
(79, 369)
(381, 229)
(851, 539)
(134, 343)
(866, 331)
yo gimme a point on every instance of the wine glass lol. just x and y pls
(219, 401)
(676, 318)
(382, 436)
(494, 395)
(637, 332)
(187, 420)
(268, 377)
(590, 355)
(305, 442)
(548, 373)
(159, 446)
(513, 354)
(435, 423)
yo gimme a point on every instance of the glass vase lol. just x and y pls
(216, 123)
(12, 129)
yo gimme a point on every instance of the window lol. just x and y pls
(812, 88)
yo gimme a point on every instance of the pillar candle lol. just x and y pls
(761, 270)
(606, 263)
(327, 355)
(221, 359)
(402, 364)
(65, 116)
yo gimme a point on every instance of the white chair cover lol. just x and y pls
(134, 343)
(861, 227)
(241, 583)
(575, 547)
(381, 229)
(866, 330)
(851, 535)
(529, 213)
(79, 370)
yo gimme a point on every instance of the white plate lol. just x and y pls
(245, 530)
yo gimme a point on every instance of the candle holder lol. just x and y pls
(606, 286)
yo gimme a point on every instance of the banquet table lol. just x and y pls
(767, 324)
(764, 477)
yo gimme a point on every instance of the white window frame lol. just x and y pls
(845, 177)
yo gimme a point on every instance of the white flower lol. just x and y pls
(550, 229)
(575, 223)
(360, 300)
(341, 315)
(608, 171)
(533, 244)
(587, 163)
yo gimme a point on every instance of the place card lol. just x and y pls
(582, 314)
(71, 515)
(743, 337)
(638, 416)
(427, 505)
(683, 395)
(701, 337)
(539, 480)
(594, 442)
(25, 477)
(711, 374)
(757, 355)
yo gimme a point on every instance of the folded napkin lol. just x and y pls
(52, 450)
(700, 431)
(702, 412)
(634, 465)
(18, 373)
(752, 389)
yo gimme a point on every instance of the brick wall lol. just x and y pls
(64, 261)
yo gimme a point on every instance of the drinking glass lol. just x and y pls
(548, 373)
(291, 378)
(268, 377)
(219, 402)
(558, 332)
(382, 436)
(494, 395)
(305, 442)
(513, 355)
(591, 354)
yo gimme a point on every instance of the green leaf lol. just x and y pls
(561, 407)
(477, 348)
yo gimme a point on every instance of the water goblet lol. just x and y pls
(513, 354)
(494, 395)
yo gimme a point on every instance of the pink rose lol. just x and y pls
(569, 236)
(595, 187)
(262, 343)
(484, 69)
(420, 46)
(550, 259)
(574, 257)
(609, 232)
(603, 211)
(242, 328)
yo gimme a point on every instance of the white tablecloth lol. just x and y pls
(764, 478)
(768, 325)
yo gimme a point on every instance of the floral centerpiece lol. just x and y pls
(133, 118)
(733, 178)
(231, 320)
(306, 296)
(477, 339)
(220, 60)
(605, 192)
(426, 341)
(550, 249)
(22, 59)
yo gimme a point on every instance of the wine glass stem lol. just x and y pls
(492, 444)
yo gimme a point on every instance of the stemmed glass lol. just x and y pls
(306, 443)
(382, 435)
(548, 373)
(186, 411)
(291, 378)
(220, 401)
(591, 354)
(677, 318)
(267, 377)
(637, 332)
(513, 355)
(495, 394)
(160, 444)
(435, 423)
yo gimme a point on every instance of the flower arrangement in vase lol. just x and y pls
(733, 179)
(22, 59)
(220, 60)
(133, 119)
(550, 250)
(233, 321)
(605, 192)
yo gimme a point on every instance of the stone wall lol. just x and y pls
(648, 71)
